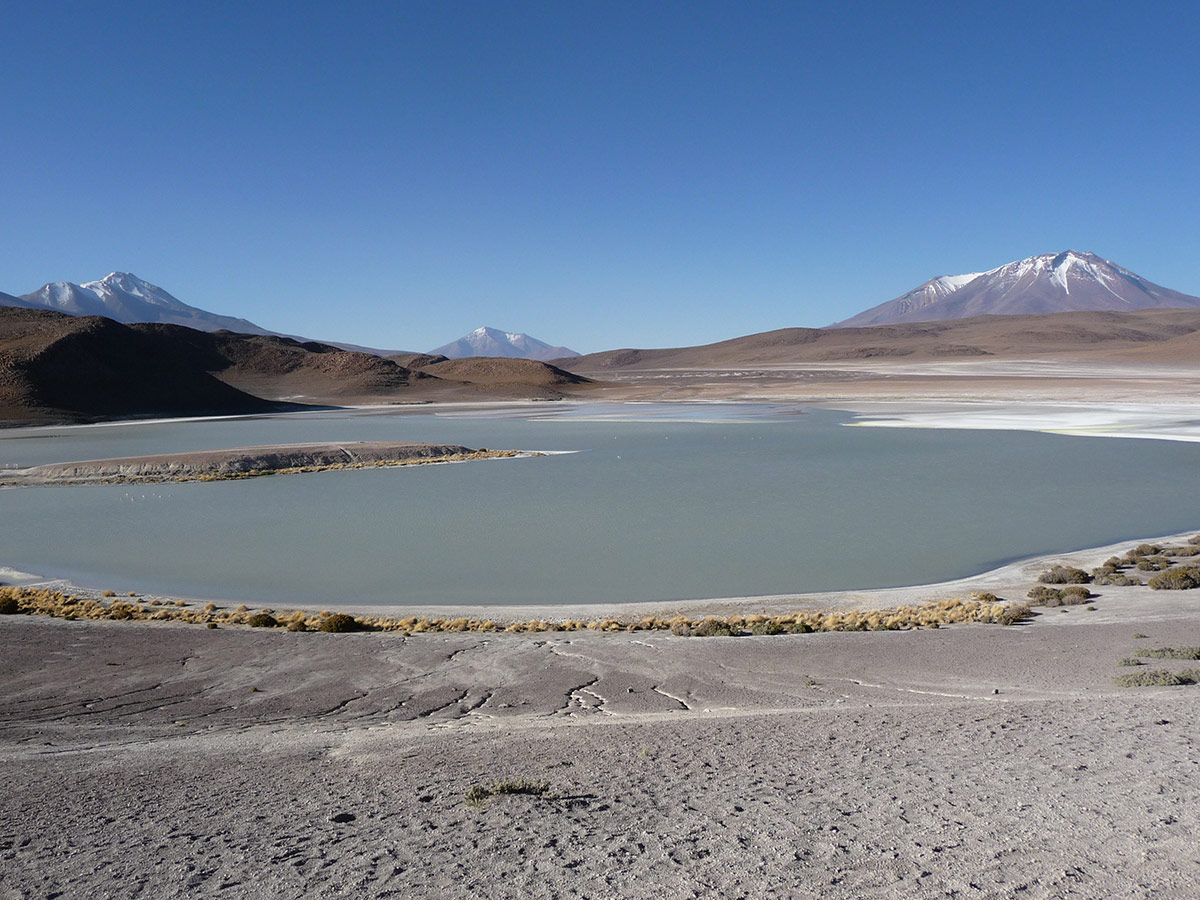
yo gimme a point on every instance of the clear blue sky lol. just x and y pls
(598, 174)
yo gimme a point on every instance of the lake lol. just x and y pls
(655, 502)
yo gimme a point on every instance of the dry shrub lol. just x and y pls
(262, 620)
(1158, 678)
(339, 623)
(1064, 575)
(713, 627)
(1171, 653)
(1117, 579)
(1176, 579)
(9, 606)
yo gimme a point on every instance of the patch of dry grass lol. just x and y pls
(1158, 678)
(984, 609)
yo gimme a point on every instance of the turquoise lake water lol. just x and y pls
(660, 502)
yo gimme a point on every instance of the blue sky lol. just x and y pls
(598, 174)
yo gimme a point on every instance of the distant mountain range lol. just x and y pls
(494, 342)
(126, 298)
(1049, 283)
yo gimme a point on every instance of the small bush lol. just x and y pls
(1014, 613)
(713, 628)
(477, 795)
(1115, 562)
(1176, 579)
(1143, 550)
(1045, 596)
(340, 622)
(1048, 596)
(9, 606)
(1117, 579)
(772, 628)
(521, 786)
(108, 594)
(1171, 653)
(1064, 575)
(1194, 539)
(1130, 661)
(297, 625)
(1103, 571)
(1153, 563)
(262, 620)
(1158, 678)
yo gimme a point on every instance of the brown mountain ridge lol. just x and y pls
(61, 368)
(1154, 335)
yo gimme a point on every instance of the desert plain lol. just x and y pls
(970, 761)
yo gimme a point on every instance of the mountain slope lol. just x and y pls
(126, 298)
(1006, 337)
(1049, 283)
(55, 367)
(494, 342)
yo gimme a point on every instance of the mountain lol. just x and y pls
(81, 368)
(494, 342)
(56, 367)
(1149, 334)
(1050, 283)
(126, 298)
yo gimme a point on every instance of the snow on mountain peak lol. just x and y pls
(1066, 281)
(487, 341)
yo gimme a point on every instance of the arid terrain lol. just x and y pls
(148, 759)
(973, 761)
(58, 368)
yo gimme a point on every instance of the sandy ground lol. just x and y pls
(969, 762)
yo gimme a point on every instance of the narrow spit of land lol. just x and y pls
(247, 462)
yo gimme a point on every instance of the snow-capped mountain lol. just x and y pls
(494, 342)
(127, 298)
(1050, 283)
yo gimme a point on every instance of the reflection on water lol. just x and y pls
(659, 502)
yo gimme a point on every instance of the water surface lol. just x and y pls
(659, 502)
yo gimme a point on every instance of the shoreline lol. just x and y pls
(1008, 583)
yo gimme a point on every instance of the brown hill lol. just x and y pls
(507, 377)
(415, 360)
(284, 368)
(1073, 333)
(55, 367)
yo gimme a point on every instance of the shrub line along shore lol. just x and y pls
(982, 608)
(1174, 569)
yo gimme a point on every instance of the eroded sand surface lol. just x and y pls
(145, 760)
